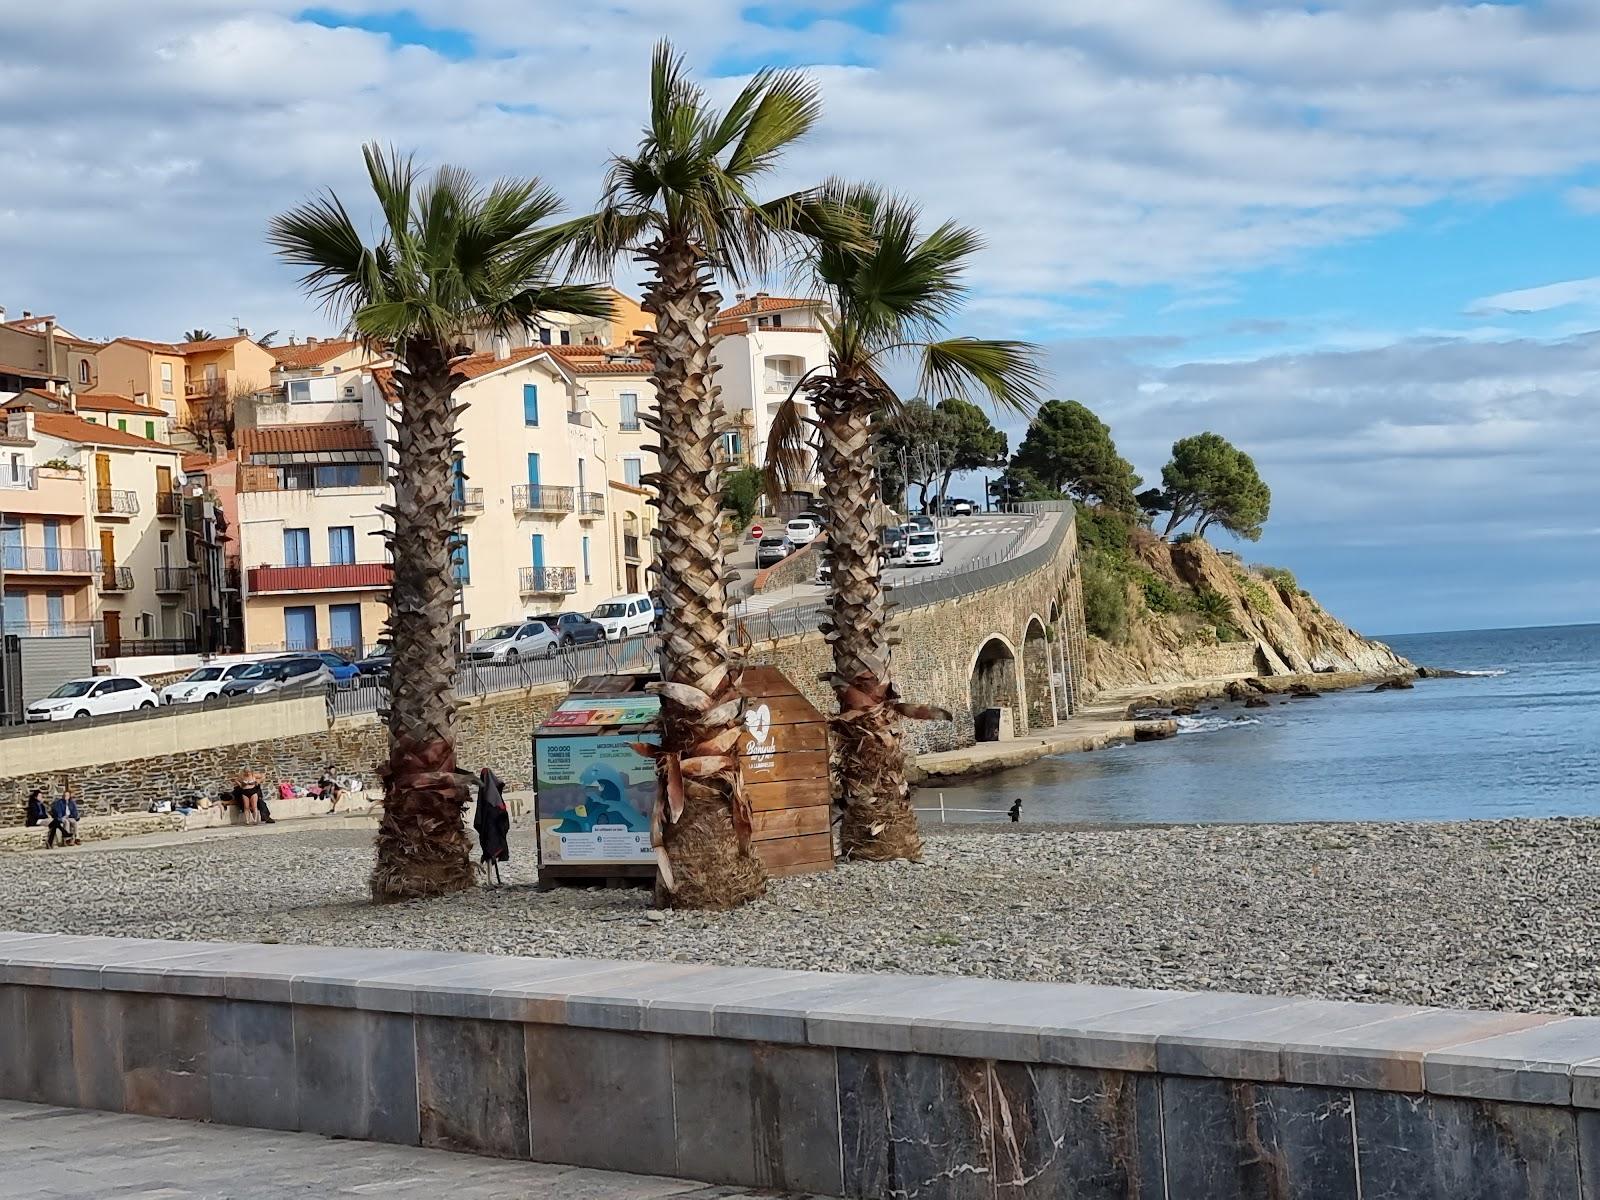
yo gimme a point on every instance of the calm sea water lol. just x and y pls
(1519, 738)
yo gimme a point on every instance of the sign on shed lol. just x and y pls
(595, 793)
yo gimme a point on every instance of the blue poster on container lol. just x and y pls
(595, 796)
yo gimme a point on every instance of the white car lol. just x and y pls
(529, 638)
(93, 697)
(923, 549)
(202, 683)
(626, 616)
(802, 531)
(962, 508)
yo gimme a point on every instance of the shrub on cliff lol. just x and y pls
(1161, 597)
(1281, 578)
(1105, 600)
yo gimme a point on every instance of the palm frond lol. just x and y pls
(1008, 372)
(788, 106)
(320, 236)
(789, 450)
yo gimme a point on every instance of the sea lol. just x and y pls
(1518, 735)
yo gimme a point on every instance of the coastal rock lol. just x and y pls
(1398, 684)
(1257, 702)
(1154, 731)
(1184, 710)
(1305, 695)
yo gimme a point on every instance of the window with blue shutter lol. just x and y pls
(297, 547)
(586, 559)
(533, 470)
(530, 404)
(342, 544)
(537, 550)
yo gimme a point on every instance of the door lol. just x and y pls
(15, 609)
(113, 623)
(163, 479)
(55, 611)
(108, 562)
(104, 697)
(533, 470)
(50, 535)
(11, 552)
(537, 550)
(300, 627)
(344, 627)
(102, 481)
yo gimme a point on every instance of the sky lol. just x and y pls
(1359, 238)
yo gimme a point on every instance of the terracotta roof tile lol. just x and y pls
(75, 429)
(301, 439)
(310, 354)
(604, 366)
(153, 347)
(766, 304)
(199, 461)
(210, 344)
(483, 364)
(99, 402)
(28, 372)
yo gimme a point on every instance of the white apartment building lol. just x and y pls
(766, 345)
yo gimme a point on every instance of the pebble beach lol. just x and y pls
(1484, 914)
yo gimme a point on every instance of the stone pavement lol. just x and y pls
(55, 1153)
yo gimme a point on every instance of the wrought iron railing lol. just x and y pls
(468, 500)
(548, 581)
(540, 498)
(174, 579)
(169, 504)
(591, 504)
(116, 579)
(49, 560)
(114, 501)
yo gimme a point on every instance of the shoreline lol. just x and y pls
(1119, 716)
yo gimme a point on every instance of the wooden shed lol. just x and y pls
(594, 793)
(784, 760)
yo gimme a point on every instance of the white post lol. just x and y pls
(941, 808)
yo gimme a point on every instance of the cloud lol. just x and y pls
(1540, 299)
(1583, 199)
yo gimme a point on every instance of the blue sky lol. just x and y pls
(1359, 238)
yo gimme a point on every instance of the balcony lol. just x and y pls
(48, 560)
(584, 418)
(55, 629)
(467, 502)
(591, 504)
(169, 504)
(783, 384)
(630, 547)
(174, 579)
(548, 581)
(628, 426)
(116, 579)
(328, 577)
(537, 498)
(204, 387)
(111, 502)
(18, 479)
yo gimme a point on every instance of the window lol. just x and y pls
(150, 430)
(300, 627)
(55, 611)
(458, 479)
(166, 550)
(533, 470)
(342, 544)
(566, 337)
(83, 370)
(166, 379)
(344, 626)
(299, 391)
(530, 404)
(50, 533)
(338, 475)
(632, 471)
(460, 559)
(544, 336)
(296, 478)
(122, 424)
(630, 410)
(297, 548)
(581, 474)
(586, 558)
(537, 551)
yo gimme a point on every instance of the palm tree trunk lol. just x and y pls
(423, 848)
(879, 822)
(707, 843)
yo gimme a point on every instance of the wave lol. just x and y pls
(1213, 724)
(1487, 674)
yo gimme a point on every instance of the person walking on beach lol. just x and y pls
(63, 819)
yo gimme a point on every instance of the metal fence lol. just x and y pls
(370, 694)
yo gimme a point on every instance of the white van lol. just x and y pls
(924, 548)
(626, 616)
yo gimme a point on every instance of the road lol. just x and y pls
(969, 542)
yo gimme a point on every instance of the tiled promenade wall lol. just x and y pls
(863, 1086)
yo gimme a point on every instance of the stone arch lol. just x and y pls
(1036, 673)
(994, 680)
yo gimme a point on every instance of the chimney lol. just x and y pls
(502, 347)
(2, 314)
(310, 341)
(19, 423)
(739, 297)
(26, 314)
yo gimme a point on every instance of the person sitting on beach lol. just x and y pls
(328, 788)
(63, 819)
(38, 812)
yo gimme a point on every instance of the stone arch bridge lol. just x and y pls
(1010, 636)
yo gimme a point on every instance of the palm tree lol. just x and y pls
(452, 257)
(682, 203)
(891, 298)
(197, 335)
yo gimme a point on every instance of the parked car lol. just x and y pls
(93, 697)
(893, 540)
(298, 673)
(202, 683)
(803, 530)
(340, 667)
(924, 549)
(575, 629)
(773, 549)
(626, 616)
(378, 660)
(528, 638)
